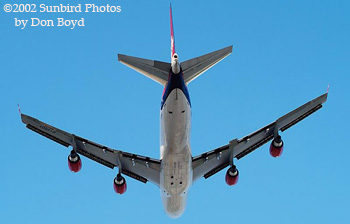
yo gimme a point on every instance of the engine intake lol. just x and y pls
(276, 147)
(74, 162)
(119, 184)
(232, 175)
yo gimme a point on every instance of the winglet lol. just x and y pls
(172, 38)
(327, 88)
(19, 109)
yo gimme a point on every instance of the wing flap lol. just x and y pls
(253, 141)
(265, 134)
(141, 168)
(47, 135)
(138, 167)
(208, 163)
(47, 130)
(301, 113)
(97, 153)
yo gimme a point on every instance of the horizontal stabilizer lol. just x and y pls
(196, 66)
(156, 70)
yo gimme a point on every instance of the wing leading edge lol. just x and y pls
(209, 163)
(138, 167)
(196, 66)
(159, 71)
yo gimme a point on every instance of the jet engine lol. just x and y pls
(232, 176)
(74, 162)
(276, 147)
(119, 184)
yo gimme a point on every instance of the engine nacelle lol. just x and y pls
(74, 162)
(119, 184)
(232, 175)
(276, 147)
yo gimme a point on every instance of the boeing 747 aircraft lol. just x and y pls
(176, 169)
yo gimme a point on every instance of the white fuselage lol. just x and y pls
(175, 152)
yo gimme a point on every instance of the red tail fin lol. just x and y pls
(172, 38)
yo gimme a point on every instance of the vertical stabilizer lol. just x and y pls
(172, 38)
(175, 64)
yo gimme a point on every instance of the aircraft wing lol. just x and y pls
(156, 70)
(138, 167)
(196, 66)
(209, 163)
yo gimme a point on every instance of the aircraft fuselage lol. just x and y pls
(175, 151)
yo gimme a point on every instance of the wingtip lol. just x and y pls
(326, 94)
(19, 109)
(121, 57)
(231, 47)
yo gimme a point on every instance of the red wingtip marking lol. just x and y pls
(19, 109)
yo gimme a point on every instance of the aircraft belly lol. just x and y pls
(176, 166)
(176, 121)
(175, 179)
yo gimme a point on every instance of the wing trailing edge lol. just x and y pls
(155, 70)
(139, 167)
(211, 162)
(196, 66)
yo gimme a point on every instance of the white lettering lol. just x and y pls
(38, 22)
(35, 20)
(70, 23)
(19, 22)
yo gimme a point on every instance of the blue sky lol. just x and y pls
(285, 54)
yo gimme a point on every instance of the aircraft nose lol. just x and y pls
(175, 206)
(175, 215)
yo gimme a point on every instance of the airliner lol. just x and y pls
(176, 169)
